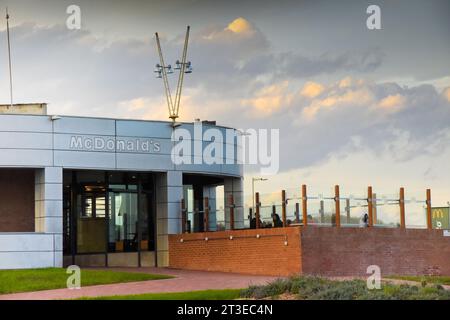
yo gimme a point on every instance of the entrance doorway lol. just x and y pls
(109, 218)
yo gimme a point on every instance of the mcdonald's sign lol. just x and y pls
(440, 218)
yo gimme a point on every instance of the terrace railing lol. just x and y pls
(305, 208)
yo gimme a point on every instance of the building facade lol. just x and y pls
(100, 192)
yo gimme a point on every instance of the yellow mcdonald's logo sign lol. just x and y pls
(438, 213)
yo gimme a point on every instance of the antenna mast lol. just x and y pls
(162, 71)
(9, 57)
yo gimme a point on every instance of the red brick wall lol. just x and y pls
(16, 200)
(349, 251)
(267, 255)
(314, 250)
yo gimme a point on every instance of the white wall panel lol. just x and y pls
(27, 123)
(85, 126)
(25, 158)
(83, 159)
(132, 161)
(25, 140)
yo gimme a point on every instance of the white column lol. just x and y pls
(235, 187)
(49, 207)
(169, 192)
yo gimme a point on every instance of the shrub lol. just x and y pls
(316, 288)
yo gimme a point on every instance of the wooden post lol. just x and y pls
(274, 211)
(374, 208)
(231, 204)
(257, 205)
(370, 206)
(283, 207)
(183, 216)
(206, 213)
(338, 206)
(322, 211)
(304, 205)
(401, 202)
(429, 221)
(347, 209)
(297, 212)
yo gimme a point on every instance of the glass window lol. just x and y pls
(100, 207)
(88, 205)
(123, 221)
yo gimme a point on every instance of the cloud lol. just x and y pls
(392, 102)
(350, 115)
(242, 26)
(338, 99)
(270, 99)
(300, 66)
(312, 89)
(239, 80)
(446, 94)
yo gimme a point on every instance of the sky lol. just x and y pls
(355, 107)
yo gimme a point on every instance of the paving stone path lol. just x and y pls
(184, 281)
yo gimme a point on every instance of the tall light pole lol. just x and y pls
(9, 58)
(253, 191)
(162, 70)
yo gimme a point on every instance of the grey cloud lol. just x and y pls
(63, 67)
(299, 66)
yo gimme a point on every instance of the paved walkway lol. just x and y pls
(185, 281)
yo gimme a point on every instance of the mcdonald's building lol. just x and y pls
(96, 191)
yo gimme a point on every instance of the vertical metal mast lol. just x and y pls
(9, 57)
(181, 75)
(164, 76)
(162, 71)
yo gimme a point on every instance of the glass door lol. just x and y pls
(91, 220)
(123, 221)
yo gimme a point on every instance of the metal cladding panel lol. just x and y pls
(93, 143)
(84, 159)
(85, 126)
(26, 140)
(231, 169)
(18, 242)
(27, 260)
(26, 158)
(25, 123)
(144, 162)
(130, 128)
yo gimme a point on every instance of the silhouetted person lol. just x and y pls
(364, 221)
(277, 223)
(253, 223)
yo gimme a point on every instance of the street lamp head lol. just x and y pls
(188, 67)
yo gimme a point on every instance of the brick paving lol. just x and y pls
(184, 280)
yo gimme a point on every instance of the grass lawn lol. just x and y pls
(12, 281)
(228, 294)
(429, 279)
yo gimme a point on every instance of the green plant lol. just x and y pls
(316, 288)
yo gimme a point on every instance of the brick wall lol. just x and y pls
(16, 200)
(349, 251)
(314, 250)
(267, 255)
